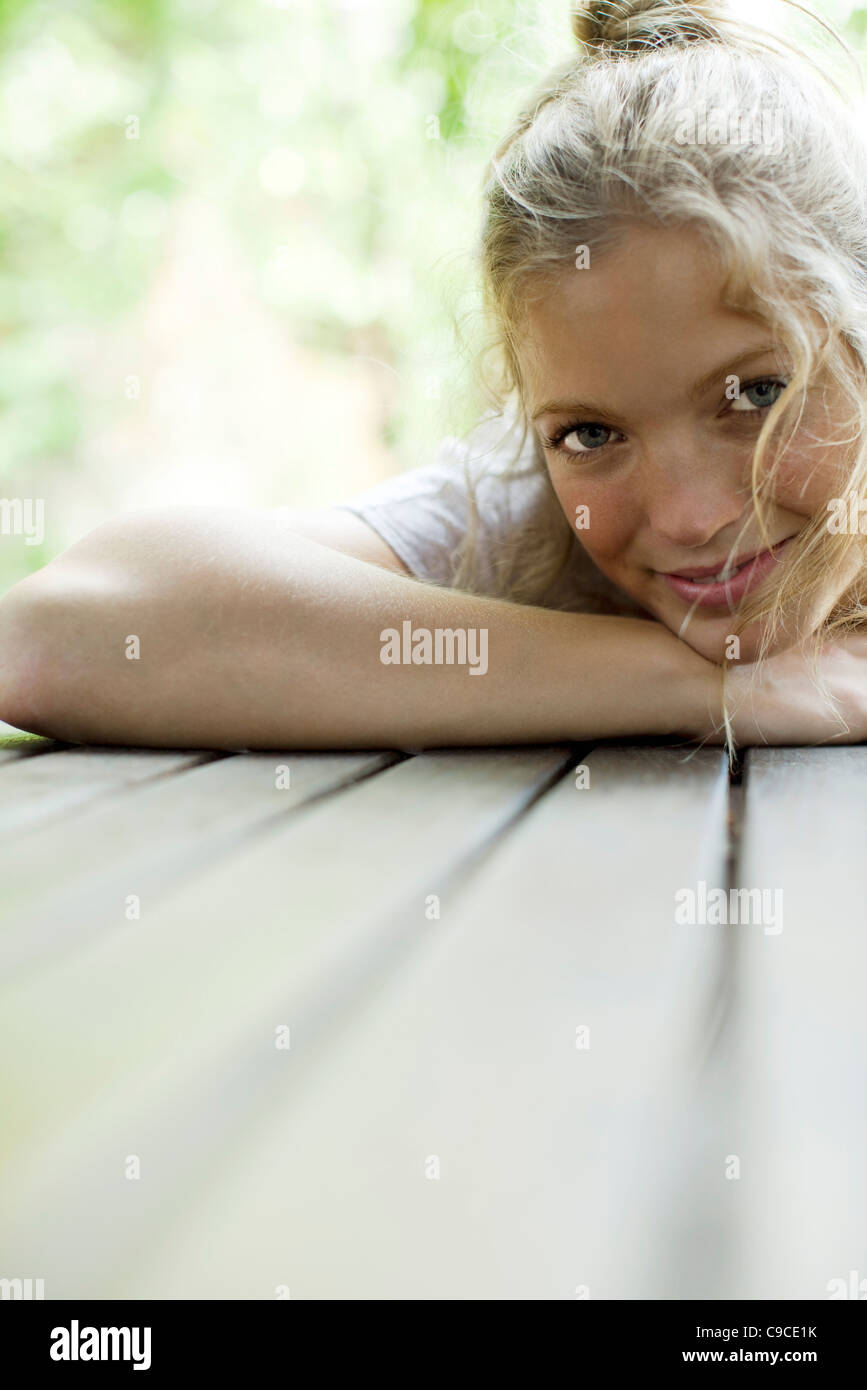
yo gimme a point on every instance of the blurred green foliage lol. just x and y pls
(340, 142)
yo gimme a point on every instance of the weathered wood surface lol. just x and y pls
(512, 1070)
(801, 1023)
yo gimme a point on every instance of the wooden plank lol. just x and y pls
(799, 1040)
(118, 857)
(163, 1020)
(35, 791)
(562, 1167)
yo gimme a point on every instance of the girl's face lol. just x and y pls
(628, 369)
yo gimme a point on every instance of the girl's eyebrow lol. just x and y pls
(725, 369)
(569, 408)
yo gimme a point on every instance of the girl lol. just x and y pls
(656, 531)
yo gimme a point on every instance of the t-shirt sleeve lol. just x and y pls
(424, 514)
(421, 515)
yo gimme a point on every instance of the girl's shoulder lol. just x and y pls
(485, 482)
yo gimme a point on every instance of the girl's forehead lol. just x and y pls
(658, 270)
(648, 320)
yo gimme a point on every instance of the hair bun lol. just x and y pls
(605, 27)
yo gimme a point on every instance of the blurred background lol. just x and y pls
(237, 240)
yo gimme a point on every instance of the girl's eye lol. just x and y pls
(758, 395)
(583, 438)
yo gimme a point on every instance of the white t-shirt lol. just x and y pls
(424, 514)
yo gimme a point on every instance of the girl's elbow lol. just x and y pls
(36, 622)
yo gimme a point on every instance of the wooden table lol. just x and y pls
(371, 1025)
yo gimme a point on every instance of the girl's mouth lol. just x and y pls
(728, 586)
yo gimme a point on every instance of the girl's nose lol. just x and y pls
(688, 503)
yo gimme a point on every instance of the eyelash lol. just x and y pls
(555, 440)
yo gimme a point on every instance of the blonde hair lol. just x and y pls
(599, 147)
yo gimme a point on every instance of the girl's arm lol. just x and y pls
(201, 627)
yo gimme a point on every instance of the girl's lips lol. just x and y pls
(728, 592)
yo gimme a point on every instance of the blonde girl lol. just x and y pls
(656, 529)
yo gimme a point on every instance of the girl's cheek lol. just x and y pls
(600, 519)
(807, 481)
(816, 467)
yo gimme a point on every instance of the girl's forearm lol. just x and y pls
(183, 631)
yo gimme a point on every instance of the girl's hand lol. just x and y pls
(781, 700)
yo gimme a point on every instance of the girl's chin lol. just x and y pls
(719, 644)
